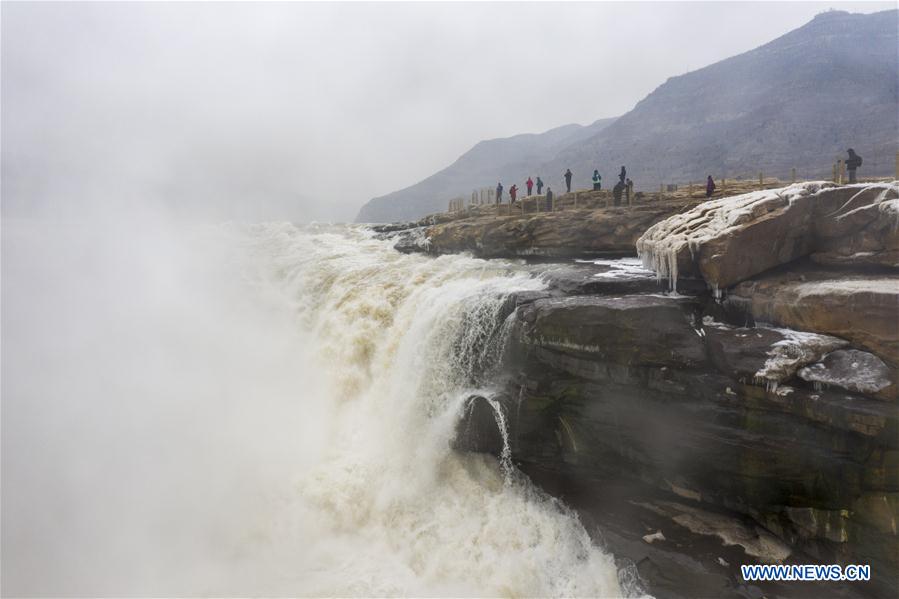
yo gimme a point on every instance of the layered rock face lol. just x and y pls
(861, 308)
(561, 234)
(716, 429)
(756, 407)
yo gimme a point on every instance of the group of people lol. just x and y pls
(626, 185)
(513, 191)
(530, 183)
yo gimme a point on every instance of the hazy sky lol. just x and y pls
(306, 110)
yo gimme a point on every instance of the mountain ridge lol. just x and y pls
(797, 101)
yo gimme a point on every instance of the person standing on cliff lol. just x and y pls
(568, 179)
(597, 181)
(709, 187)
(530, 185)
(853, 163)
(622, 175)
(499, 193)
(539, 185)
(549, 198)
(513, 193)
(616, 193)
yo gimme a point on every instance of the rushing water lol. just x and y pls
(263, 410)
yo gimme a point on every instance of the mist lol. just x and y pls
(151, 408)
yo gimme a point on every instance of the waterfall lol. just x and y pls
(406, 339)
(263, 410)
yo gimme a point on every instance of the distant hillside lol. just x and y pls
(504, 159)
(796, 102)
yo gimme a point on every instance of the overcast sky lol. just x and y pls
(305, 111)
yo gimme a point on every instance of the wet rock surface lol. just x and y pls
(624, 388)
(650, 393)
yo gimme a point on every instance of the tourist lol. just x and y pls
(709, 187)
(629, 190)
(568, 179)
(853, 163)
(622, 175)
(513, 192)
(539, 185)
(549, 198)
(617, 191)
(499, 193)
(597, 181)
(530, 185)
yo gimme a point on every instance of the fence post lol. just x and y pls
(834, 176)
(792, 175)
(761, 179)
(661, 190)
(840, 171)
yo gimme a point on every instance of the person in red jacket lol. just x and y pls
(513, 191)
(530, 185)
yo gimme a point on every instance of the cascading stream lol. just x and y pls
(263, 410)
(406, 340)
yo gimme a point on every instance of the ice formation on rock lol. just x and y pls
(660, 246)
(797, 349)
(851, 369)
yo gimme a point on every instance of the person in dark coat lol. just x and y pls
(597, 181)
(709, 187)
(616, 193)
(499, 193)
(539, 186)
(568, 179)
(622, 175)
(853, 163)
(549, 198)
(530, 185)
(513, 193)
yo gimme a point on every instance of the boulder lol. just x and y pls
(735, 238)
(853, 370)
(861, 232)
(764, 354)
(860, 308)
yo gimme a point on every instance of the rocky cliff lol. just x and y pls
(750, 417)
